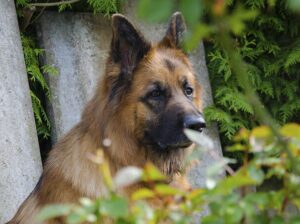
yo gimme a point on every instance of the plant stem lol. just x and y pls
(38, 16)
(49, 4)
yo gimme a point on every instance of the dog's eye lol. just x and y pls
(188, 91)
(155, 93)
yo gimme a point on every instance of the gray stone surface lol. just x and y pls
(214, 149)
(20, 163)
(77, 44)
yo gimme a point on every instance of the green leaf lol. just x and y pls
(151, 173)
(233, 214)
(295, 220)
(31, 56)
(296, 202)
(107, 7)
(294, 5)
(76, 218)
(212, 113)
(192, 10)
(259, 199)
(293, 57)
(196, 34)
(115, 207)
(51, 70)
(241, 178)
(21, 2)
(55, 210)
(272, 22)
(63, 7)
(256, 4)
(164, 190)
(234, 99)
(261, 132)
(255, 173)
(277, 220)
(266, 88)
(155, 10)
(238, 18)
(237, 147)
(142, 193)
(212, 219)
(291, 130)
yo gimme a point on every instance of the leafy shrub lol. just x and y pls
(37, 83)
(230, 200)
(270, 48)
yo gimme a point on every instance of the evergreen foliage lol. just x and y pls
(230, 200)
(271, 48)
(107, 7)
(37, 83)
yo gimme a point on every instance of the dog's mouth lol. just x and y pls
(161, 146)
(174, 146)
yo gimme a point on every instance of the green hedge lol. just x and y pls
(270, 46)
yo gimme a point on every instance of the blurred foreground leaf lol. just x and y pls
(115, 207)
(155, 10)
(151, 173)
(54, 210)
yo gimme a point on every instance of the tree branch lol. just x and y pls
(49, 4)
(38, 15)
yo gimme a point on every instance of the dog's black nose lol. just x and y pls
(194, 122)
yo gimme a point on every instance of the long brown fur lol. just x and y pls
(68, 173)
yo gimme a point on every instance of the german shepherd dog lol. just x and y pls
(147, 96)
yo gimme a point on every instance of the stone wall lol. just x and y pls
(20, 163)
(77, 45)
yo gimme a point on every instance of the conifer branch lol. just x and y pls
(49, 4)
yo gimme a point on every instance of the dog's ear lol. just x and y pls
(175, 31)
(128, 45)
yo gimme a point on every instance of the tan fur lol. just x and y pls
(69, 174)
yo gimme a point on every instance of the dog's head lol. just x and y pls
(154, 92)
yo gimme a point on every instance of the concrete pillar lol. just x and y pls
(20, 162)
(77, 44)
(198, 175)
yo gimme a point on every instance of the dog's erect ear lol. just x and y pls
(174, 35)
(128, 45)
